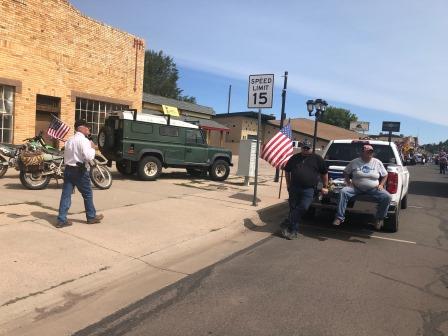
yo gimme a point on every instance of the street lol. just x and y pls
(332, 281)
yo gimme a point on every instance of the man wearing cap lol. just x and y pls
(302, 176)
(79, 150)
(365, 175)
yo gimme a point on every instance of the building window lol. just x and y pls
(6, 113)
(95, 112)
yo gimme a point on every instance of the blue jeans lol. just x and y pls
(74, 177)
(381, 196)
(299, 202)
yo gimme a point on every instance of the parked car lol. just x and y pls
(419, 158)
(144, 144)
(339, 153)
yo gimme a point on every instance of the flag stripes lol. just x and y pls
(279, 149)
(58, 129)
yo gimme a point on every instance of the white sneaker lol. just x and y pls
(337, 222)
(378, 224)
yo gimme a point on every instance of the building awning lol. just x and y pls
(207, 124)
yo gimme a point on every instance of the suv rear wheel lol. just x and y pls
(220, 170)
(149, 168)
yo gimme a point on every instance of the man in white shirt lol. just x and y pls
(365, 175)
(79, 150)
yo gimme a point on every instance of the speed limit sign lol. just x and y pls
(261, 88)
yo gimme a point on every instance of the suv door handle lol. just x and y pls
(188, 150)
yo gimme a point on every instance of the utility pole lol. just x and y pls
(282, 116)
(257, 151)
(228, 101)
(316, 120)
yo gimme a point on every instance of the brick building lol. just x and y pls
(56, 61)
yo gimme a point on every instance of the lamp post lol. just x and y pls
(316, 108)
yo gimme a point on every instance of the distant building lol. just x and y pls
(243, 125)
(410, 140)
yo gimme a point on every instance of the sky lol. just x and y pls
(382, 59)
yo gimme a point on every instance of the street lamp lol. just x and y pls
(316, 108)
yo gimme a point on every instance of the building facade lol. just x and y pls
(55, 61)
(243, 125)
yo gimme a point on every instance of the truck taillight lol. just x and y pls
(392, 183)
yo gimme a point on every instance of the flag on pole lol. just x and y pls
(58, 129)
(279, 149)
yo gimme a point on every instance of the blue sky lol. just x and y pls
(384, 60)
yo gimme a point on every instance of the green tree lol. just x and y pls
(161, 76)
(338, 117)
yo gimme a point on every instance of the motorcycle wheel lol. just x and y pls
(3, 166)
(34, 181)
(101, 177)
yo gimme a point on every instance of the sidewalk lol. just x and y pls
(159, 231)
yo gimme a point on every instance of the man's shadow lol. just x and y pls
(354, 230)
(51, 219)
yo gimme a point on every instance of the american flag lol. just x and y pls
(58, 129)
(279, 149)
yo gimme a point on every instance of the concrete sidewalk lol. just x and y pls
(159, 231)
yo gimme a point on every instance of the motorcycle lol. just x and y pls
(39, 163)
(9, 157)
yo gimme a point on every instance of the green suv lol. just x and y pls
(144, 143)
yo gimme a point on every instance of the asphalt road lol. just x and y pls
(332, 281)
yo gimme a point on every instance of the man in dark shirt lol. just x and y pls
(302, 176)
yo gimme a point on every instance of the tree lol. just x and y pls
(161, 76)
(338, 117)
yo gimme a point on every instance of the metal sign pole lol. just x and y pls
(254, 202)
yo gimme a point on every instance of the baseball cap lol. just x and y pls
(367, 148)
(81, 122)
(305, 143)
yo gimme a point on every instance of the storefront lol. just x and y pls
(55, 61)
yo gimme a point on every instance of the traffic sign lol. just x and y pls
(260, 91)
(391, 126)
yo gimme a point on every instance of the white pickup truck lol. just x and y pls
(339, 153)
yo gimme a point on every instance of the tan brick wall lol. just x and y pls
(54, 50)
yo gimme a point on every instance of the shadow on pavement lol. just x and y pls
(355, 230)
(51, 218)
(431, 189)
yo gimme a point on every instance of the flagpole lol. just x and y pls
(281, 183)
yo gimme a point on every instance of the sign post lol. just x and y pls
(260, 93)
(391, 126)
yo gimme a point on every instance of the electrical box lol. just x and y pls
(247, 158)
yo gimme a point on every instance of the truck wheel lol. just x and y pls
(149, 168)
(219, 170)
(404, 202)
(106, 140)
(126, 168)
(391, 223)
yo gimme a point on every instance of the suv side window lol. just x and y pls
(194, 137)
(171, 131)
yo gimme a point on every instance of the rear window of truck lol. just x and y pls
(351, 151)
